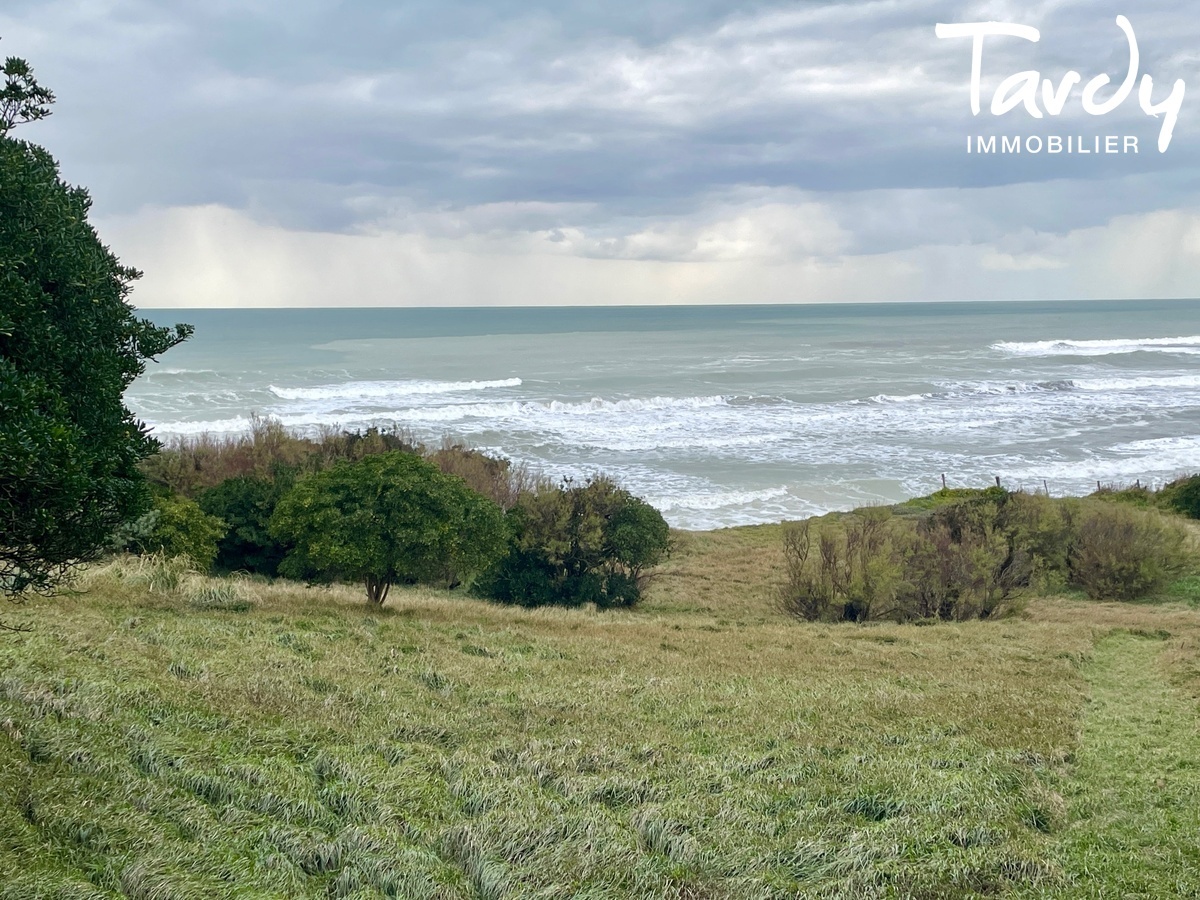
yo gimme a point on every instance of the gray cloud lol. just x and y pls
(694, 132)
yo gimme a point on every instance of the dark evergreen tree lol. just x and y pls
(70, 345)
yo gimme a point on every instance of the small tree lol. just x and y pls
(385, 519)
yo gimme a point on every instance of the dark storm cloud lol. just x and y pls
(339, 116)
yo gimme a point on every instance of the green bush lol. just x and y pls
(245, 504)
(177, 526)
(962, 557)
(578, 544)
(1037, 528)
(385, 519)
(847, 570)
(956, 577)
(1182, 496)
(1122, 553)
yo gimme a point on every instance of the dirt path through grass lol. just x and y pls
(1133, 803)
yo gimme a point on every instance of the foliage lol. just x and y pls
(190, 465)
(22, 99)
(388, 518)
(955, 576)
(194, 464)
(177, 526)
(577, 544)
(245, 504)
(69, 347)
(1183, 496)
(1121, 553)
(944, 497)
(495, 478)
(971, 557)
(845, 573)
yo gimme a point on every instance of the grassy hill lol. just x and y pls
(164, 735)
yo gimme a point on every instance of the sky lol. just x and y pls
(459, 153)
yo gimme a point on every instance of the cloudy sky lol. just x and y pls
(363, 152)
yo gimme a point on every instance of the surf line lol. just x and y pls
(1052, 144)
(1021, 89)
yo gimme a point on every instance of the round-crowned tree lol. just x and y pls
(70, 345)
(387, 519)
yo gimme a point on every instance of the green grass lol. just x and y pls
(1186, 590)
(1133, 795)
(168, 736)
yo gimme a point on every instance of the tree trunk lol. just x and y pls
(377, 590)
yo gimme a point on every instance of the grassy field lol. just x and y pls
(168, 736)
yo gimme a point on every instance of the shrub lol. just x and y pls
(1121, 553)
(245, 504)
(495, 478)
(812, 559)
(847, 570)
(191, 465)
(577, 544)
(177, 526)
(962, 576)
(1183, 496)
(524, 577)
(1036, 527)
(388, 518)
(962, 557)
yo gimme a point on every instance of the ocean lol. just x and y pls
(729, 415)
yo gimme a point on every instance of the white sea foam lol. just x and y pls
(968, 390)
(901, 398)
(1185, 345)
(542, 413)
(388, 390)
(712, 501)
(1172, 382)
(546, 410)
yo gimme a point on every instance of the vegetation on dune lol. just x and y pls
(69, 346)
(386, 519)
(564, 544)
(1182, 496)
(192, 466)
(175, 526)
(963, 555)
(245, 504)
(577, 544)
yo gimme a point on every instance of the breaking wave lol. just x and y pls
(388, 390)
(1185, 345)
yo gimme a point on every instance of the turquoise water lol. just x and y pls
(724, 415)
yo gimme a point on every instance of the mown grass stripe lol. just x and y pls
(1134, 799)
